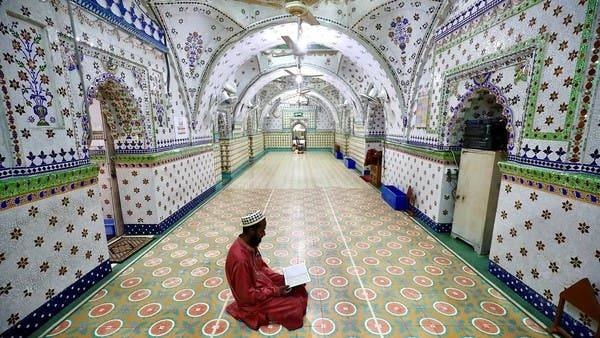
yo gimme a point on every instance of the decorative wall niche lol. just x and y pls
(505, 77)
(118, 105)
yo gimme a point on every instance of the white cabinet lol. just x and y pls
(477, 197)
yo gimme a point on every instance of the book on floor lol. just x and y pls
(296, 275)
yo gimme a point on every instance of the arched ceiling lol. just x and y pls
(325, 82)
(357, 44)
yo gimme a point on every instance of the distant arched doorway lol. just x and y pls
(299, 136)
(114, 117)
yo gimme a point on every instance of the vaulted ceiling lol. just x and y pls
(237, 44)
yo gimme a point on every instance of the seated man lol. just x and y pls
(261, 296)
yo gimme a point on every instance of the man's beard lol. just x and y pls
(255, 241)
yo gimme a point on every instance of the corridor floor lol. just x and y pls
(375, 272)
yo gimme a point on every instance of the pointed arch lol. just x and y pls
(124, 115)
(451, 132)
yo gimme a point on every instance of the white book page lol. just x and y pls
(296, 275)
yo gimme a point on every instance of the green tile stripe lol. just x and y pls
(24, 185)
(528, 130)
(576, 181)
(162, 157)
(485, 25)
(532, 100)
(587, 35)
(514, 49)
(369, 139)
(487, 63)
(576, 92)
(431, 154)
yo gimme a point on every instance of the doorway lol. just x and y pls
(299, 137)
(104, 146)
(484, 144)
(113, 115)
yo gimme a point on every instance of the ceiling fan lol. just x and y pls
(298, 8)
(281, 52)
(303, 92)
(274, 106)
(227, 97)
(300, 73)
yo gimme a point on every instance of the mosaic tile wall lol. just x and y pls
(284, 140)
(235, 153)
(503, 89)
(591, 154)
(538, 48)
(375, 124)
(105, 184)
(341, 140)
(478, 45)
(193, 44)
(546, 237)
(39, 112)
(434, 194)
(49, 240)
(183, 180)
(320, 140)
(357, 150)
(154, 188)
(272, 123)
(389, 23)
(217, 170)
(109, 56)
(258, 145)
(277, 134)
(358, 128)
(120, 71)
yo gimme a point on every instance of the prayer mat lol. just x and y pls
(125, 246)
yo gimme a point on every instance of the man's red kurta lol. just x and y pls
(256, 289)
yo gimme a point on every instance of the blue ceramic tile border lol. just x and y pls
(32, 170)
(574, 327)
(156, 229)
(591, 168)
(437, 227)
(465, 17)
(45, 312)
(144, 21)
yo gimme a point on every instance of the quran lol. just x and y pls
(296, 275)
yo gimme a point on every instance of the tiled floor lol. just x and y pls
(375, 272)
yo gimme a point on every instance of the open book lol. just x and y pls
(296, 275)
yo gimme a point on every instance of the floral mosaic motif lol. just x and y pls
(160, 115)
(424, 176)
(193, 50)
(33, 80)
(400, 32)
(119, 105)
(542, 230)
(73, 240)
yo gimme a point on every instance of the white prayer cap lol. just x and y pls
(252, 218)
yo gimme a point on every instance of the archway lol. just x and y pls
(484, 122)
(484, 144)
(482, 101)
(114, 119)
(299, 137)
